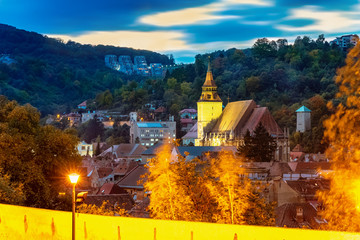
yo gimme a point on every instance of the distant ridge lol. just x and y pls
(55, 76)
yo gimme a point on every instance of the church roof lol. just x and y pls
(303, 109)
(192, 133)
(246, 115)
(232, 114)
(262, 114)
(209, 81)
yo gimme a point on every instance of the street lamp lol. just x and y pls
(73, 179)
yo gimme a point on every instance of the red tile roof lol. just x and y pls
(160, 110)
(132, 178)
(110, 188)
(189, 110)
(104, 171)
(286, 216)
(307, 188)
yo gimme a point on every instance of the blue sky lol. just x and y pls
(182, 27)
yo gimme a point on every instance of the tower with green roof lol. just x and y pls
(303, 119)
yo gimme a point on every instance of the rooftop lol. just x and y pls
(303, 109)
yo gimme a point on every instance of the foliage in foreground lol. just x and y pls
(213, 190)
(105, 209)
(34, 159)
(342, 202)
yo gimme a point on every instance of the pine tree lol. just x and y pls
(259, 147)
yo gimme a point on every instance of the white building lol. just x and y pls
(303, 119)
(85, 149)
(149, 133)
(346, 40)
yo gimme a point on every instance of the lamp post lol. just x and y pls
(73, 179)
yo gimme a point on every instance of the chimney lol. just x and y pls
(299, 214)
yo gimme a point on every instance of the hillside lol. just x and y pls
(55, 76)
(278, 75)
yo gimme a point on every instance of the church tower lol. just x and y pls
(209, 106)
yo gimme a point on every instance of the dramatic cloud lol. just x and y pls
(207, 14)
(326, 21)
(160, 41)
(182, 27)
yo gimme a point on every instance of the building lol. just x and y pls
(209, 105)
(346, 41)
(111, 62)
(149, 133)
(227, 128)
(126, 65)
(187, 119)
(189, 138)
(140, 66)
(303, 119)
(85, 149)
(157, 70)
(74, 119)
(87, 116)
(82, 105)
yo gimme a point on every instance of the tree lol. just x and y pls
(11, 193)
(259, 147)
(168, 199)
(341, 202)
(228, 189)
(263, 48)
(94, 128)
(34, 156)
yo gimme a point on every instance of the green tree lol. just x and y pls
(259, 147)
(32, 155)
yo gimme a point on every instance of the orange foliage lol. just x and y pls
(342, 131)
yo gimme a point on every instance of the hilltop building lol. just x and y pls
(227, 128)
(303, 119)
(126, 65)
(346, 41)
(111, 62)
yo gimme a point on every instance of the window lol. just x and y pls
(208, 96)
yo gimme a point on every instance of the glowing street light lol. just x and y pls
(73, 179)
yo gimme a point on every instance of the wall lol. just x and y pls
(30, 223)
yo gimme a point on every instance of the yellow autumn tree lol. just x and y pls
(341, 204)
(168, 197)
(228, 188)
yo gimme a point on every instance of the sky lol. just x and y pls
(183, 28)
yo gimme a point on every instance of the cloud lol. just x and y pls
(324, 21)
(185, 16)
(155, 41)
(249, 2)
(206, 14)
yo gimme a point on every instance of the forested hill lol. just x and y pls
(275, 74)
(55, 76)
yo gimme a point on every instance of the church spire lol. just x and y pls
(209, 81)
(209, 89)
